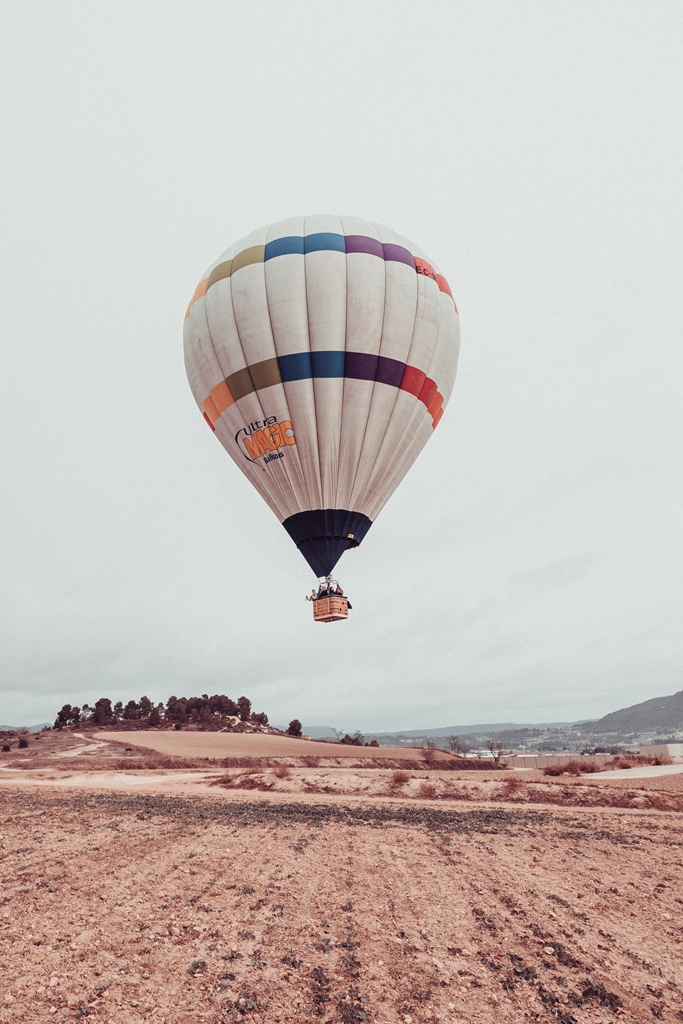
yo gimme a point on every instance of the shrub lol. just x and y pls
(633, 761)
(6, 748)
(282, 771)
(427, 791)
(572, 768)
(177, 727)
(294, 727)
(512, 785)
(399, 778)
(23, 742)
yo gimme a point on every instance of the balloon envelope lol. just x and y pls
(322, 352)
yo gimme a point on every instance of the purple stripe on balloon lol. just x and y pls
(363, 366)
(363, 243)
(360, 366)
(390, 371)
(397, 254)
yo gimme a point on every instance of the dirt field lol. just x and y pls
(226, 744)
(337, 896)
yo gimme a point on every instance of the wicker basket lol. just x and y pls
(330, 609)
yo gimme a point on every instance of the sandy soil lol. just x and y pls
(339, 895)
(132, 907)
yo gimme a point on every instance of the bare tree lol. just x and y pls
(458, 746)
(496, 748)
(429, 752)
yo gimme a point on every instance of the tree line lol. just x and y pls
(180, 711)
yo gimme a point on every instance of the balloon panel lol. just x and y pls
(322, 351)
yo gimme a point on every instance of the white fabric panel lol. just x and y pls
(203, 370)
(301, 405)
(222, 327)
(446, 350)
(421, 433)
(285, 279)
(285, 228)
(365, 303)
(357, 401)
(385, 427)
(250, 307)
(326, 302)
(417, 425)
(400, 304)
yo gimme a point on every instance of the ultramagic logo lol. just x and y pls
(265, 437)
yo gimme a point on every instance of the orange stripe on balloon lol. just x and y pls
(427, 391)
(435, 404)
(427, 270)
(221, 396)
(445, 287)
(424, 268)
(210, 410)
(198, 292)
(209, 422)
(436, 419)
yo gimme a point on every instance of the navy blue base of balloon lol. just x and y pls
(323, 535)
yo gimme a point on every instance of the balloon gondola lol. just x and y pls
(322, 352)
(330, 603)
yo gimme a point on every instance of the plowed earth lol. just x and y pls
(125, 908)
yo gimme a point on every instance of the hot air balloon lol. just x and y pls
(322, 352)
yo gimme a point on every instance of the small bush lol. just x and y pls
(177, 727)
(572, 768)
(6, 748)
(282, 771)
(399, 778)
(427, 791)
(633, 761)
(512, 785)
(23, 742)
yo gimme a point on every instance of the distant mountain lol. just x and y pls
(31, 728)
(663, 715)
(486, 730)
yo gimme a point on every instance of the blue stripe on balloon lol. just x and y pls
(304, 365)
(288, 246)
(324, 241)
(296, 366)
(328, 364)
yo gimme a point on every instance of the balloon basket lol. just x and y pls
(330, 609)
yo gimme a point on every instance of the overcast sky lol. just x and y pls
(529, 567)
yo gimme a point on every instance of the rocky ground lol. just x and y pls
(301, 905)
